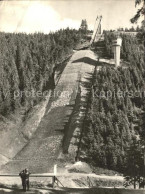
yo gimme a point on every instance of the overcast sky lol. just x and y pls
(50, 15)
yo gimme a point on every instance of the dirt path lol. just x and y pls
(43, 150)
(75, 191)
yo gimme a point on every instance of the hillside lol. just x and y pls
(43, 147)
(28, 63)
(86, 109)
(30, 67)
(114, 128)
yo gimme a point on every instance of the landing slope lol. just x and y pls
(44, 148)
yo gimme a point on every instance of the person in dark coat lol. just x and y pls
(27, 174)
(24, 174)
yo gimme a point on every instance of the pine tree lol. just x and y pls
(134, 162)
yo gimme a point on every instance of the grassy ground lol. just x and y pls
(74, 191)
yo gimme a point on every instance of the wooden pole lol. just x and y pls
(53, 181)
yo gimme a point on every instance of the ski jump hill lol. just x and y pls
(46, 145)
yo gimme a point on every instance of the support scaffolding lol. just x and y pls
(97, 29)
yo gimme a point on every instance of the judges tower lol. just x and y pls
(116, 49)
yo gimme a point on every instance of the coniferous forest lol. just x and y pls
(27, 63)
(114, 133)
(114, 129)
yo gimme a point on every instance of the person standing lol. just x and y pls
(24, 174)
(27, 174)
